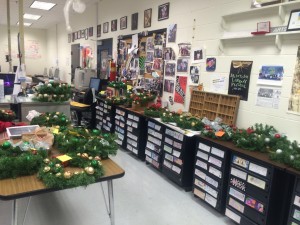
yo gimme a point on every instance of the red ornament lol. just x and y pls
(250, 131)
(277, 136)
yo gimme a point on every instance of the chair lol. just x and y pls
(84, 113)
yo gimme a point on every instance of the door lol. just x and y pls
(104, 55)
(75, 59)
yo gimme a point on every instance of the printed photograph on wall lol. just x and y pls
(172, 30)
(198, 55)
(157, 64)
(211, 64)
(180, 89)
(170, 69)
(148, 67)
(149, 56)
(169, 86)
(294, 102)
(271, 75)
(163, 11)
(158, 51)
(169, 54)
(134, 21)
(91, 31)
(194, 75)
(182, 65)
(147, 18)
(268, 97)
(239, 78)
(149, 44)
(184, 50)
(123, 22)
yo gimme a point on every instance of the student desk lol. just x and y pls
(27, 186)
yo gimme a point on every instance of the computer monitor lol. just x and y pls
(9, 79)
(95, 83)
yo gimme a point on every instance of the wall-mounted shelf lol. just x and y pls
(280, 9)
(278, 37)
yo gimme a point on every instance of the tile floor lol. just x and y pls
(142, 197)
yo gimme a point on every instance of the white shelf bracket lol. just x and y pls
(223, 24)
(221, 48)
(278, 42)
(281, 13)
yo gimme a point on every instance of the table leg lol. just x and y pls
(15, 213)
(26, 210)
(111, 202)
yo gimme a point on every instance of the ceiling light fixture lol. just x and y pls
(31, 16)
(25, 24)
(42, 5)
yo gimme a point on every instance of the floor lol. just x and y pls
(142, 197)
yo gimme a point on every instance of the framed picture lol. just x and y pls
(147, 18)
(82, 33)
(260, 3)
(105, 27)
(264, 27)
(78, 34)
(134, 21)
(114, 24)
(123, 23)
(86, 33)
(163, 11)
(294, 21)
(99, 30)
(90, 31)
(75, 36)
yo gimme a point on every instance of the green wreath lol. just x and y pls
(51, 119)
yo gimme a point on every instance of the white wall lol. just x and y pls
(35, 49)
(59, 50)
(205, 16)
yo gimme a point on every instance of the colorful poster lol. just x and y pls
(294, 101)
(239, 78)
(180, 89)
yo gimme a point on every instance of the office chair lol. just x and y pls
(84, 114)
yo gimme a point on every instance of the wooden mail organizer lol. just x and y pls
(154, 147)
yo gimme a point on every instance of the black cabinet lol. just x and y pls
(211, 173)
(154, 147)
(136, 134)
(105, 114)
(294, 215)
(256, 192)
(120, 126)
(178, 157)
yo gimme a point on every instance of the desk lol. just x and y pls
(27, 186)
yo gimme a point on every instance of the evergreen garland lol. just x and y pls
(15, 163)
(154, 110)
(49, 119)
(189, 122)
(117, 85)
(116, 100)
(211, 131)
(169, 117)
(7, 115)
(53, 92)
(80, 140)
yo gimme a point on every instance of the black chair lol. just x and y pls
(83, 113)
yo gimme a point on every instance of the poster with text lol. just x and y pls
(180, 89)
(239, 78)
(268, 97)
(294, 101)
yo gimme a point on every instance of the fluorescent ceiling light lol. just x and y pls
(42, 5)
(25, 24)
(31, 16)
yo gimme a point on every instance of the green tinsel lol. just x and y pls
(53, 92)
(14, 162)
(51, 119)
(7, 115)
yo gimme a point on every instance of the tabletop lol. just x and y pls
(30, 185)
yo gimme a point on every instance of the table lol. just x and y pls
(27, 186)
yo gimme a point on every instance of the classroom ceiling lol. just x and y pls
(48, 19)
